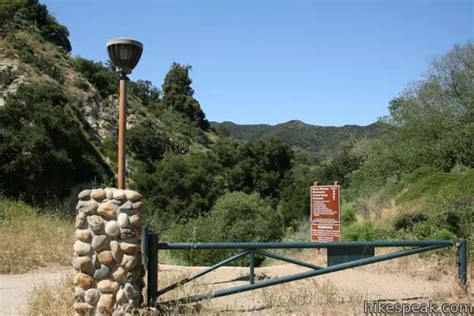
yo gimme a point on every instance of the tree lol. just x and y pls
(145, 91)
(42, 151)
(179, 187)
(178, 95)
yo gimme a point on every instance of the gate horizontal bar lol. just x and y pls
(294, 261)
(200, 273)
(304, 245)
(307, 274)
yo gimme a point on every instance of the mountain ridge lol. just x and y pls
(322, 142)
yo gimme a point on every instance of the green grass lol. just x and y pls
(426, 182)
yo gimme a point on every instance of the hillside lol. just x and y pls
(322, 141)
(58, 113)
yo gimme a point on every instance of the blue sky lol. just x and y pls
(262, 61)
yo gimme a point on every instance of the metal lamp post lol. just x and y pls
(124, 54)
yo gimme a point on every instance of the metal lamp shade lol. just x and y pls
(124, 54)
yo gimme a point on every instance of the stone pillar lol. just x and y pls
(107, 250)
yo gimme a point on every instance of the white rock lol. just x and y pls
(119, 195)
(109, 193)
(117, 253)
(112, 228)
(81, 248)
(132, 196)
(121, 298)
(122, 220)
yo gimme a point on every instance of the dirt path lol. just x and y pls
(351, 286)
(14, 288)
(355, 283)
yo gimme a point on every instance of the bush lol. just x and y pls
(443, 234)
(449, 217)
(348, 215)
(45, 65)
(81, 84)
(104, 79)
(408, 220)
(361, 231)
(235, 217)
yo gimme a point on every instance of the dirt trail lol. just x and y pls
(15, 288)
(366, 284)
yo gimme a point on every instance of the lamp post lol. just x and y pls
(124, 54)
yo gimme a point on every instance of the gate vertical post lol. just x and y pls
(152, 269)
(252, 267)
(462, 263)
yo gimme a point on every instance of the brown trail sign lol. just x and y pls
(325, 212)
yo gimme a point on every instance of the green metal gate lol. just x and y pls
(341, 256)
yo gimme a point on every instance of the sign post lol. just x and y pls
(325, 212)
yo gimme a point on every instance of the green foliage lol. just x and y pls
(430, 182)
(81, 84)
(7, 75)
(47, 66)
(235, 217)
(145, 91)
(408, 220)
(181, 187)
(348, 215)
(442, 216)
(42, 151)
(431, 124)
(104, 79)
(442, 234)
(34, 17)
(42, 63)
(178, 95)
(321, 142)
(294, 203)
(362, 231)
(148, 143)
(343, 164)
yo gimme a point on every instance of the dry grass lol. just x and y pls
(30, 240)
(55, 300)
(310, 297)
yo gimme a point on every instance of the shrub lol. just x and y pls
(449, 217)
(45, 65)
(81, 84)
(348, 215)
(362, 231)
(7, 76)
(442, 234)
(408, 220)
(235, 217)
(104, 79)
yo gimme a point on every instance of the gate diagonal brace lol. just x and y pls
(316, 271)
